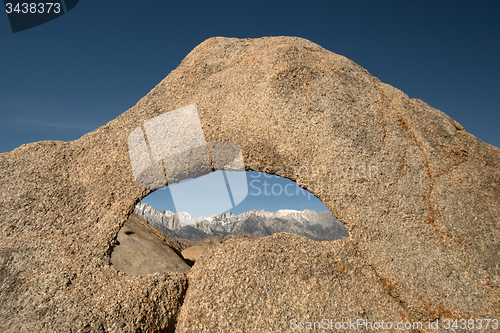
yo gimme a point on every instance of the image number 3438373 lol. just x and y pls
(27, 14)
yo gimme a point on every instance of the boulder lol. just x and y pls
(142, 249)
(265, 286)
(193, 253)
(419, 196)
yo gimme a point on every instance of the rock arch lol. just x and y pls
(424, 235)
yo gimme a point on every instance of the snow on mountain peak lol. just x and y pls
(295, 214)
(186, 218)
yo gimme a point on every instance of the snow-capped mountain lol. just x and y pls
(309, 223)
(166, 218)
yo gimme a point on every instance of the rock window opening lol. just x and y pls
(195, 215)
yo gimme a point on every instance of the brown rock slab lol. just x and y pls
(144, 250)
(419, 196)
(194, 253)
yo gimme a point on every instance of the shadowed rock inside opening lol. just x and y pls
(142, 249)
(198, 214)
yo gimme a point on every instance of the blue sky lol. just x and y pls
(204, 197)
(69, 76)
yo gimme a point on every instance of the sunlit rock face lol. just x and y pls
(418, 195)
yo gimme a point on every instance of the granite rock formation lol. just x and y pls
(420, 200)
(194, 253)
(212, 242)
(142, 249)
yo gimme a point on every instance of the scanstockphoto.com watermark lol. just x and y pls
(262, 187)
(353, 325)
(470, 324)
(333, 180)
(311, 171)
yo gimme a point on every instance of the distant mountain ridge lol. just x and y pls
(318, 226)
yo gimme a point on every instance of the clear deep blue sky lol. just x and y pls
(67, 77)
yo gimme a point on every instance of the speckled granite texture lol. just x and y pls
(422, 206)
